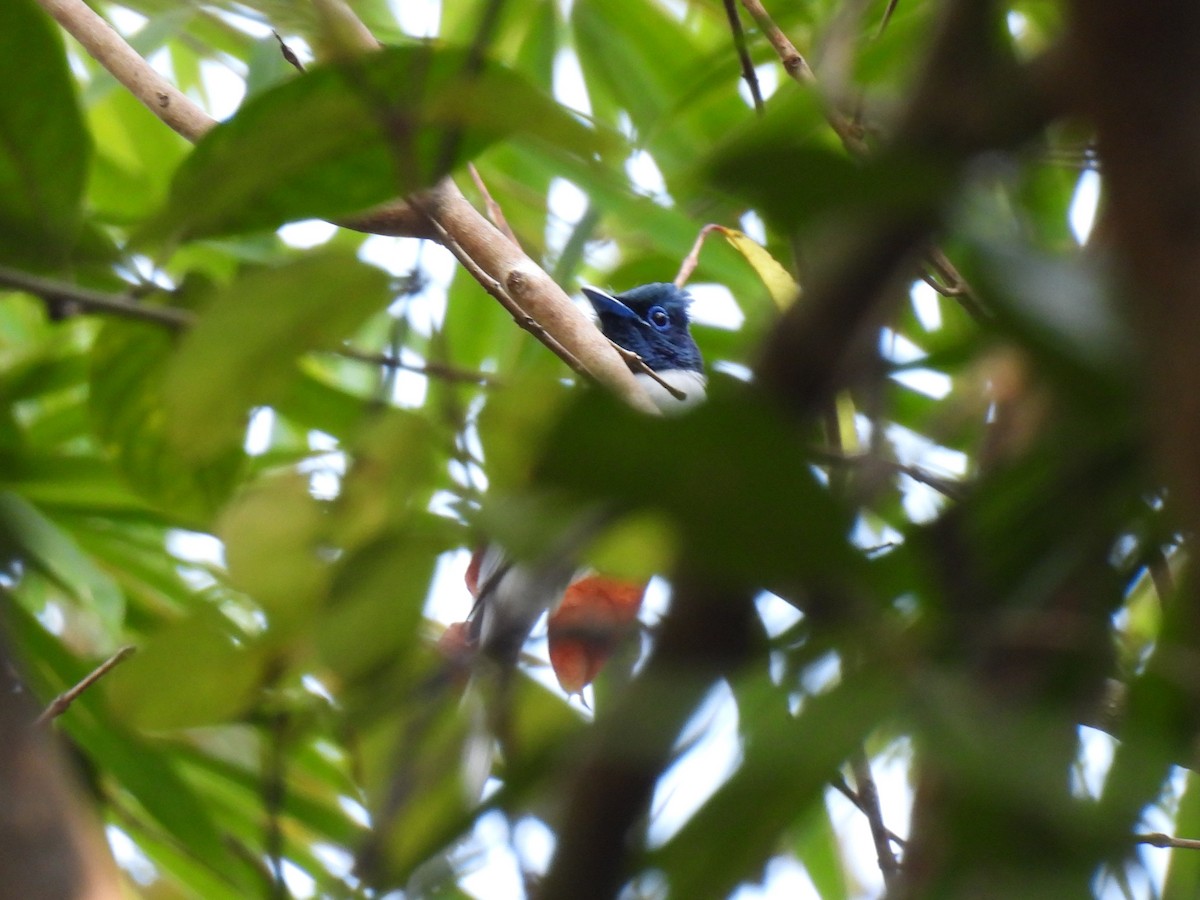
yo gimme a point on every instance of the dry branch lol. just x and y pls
(63, 701)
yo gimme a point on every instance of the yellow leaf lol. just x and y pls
(782, 287)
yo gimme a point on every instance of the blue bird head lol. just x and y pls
(651, 321)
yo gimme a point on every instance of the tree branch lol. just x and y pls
(739, 41)
(537, 295)
(94, 301)
(63, 701)
(868, 797)
(1157, 839)
(441, 213)
(109, 49)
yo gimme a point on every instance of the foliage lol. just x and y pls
(965, 544)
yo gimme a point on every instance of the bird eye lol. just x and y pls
(658, 317)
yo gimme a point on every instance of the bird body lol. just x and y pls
(589, 612)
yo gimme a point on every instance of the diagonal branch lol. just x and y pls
(63, 701)
(441, 213)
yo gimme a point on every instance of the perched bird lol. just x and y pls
(652, 321)
(590, 612)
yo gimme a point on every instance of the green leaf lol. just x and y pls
(272, 536)
(817, 848)
(645, 60)
(129, 414)
(44, 147)
(376, 606)
(196, 671)
(1183, 873)
(344, 137)
(822, 179)
(78, 483)
(241, 353)
(41, 543)
(733, 477)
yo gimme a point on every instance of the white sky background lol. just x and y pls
(716, 750)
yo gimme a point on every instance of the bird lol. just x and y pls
(590, 612)
(652, 321)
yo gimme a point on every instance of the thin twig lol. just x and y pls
(944, 290)
(949, 275)
(497, 290)
(799, 70)
(739, 41)
(431, 368)
(1157, 839)
(840, 785)
(887, 17)
(62, 702)
(868, 796)
(688, 266)
(948, 487)
(495, 213)
(640, 365)
(59, 292)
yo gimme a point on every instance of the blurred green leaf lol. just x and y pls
(341, 138)
(25, 530)
(129, 412)
(197, 671)
(825, 180)
(818, 849)
(242, 352)
(1183, 871)
(44, 148)
(274, 533)
(732, 476)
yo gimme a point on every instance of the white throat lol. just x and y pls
(685, 380)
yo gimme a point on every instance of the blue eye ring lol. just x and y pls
(657, 316)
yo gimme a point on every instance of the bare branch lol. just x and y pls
(495, 213)
(1157, 839)
(497, 290)
(57, 292)
(110, 50)
(688, 266)
(868, 796)
(739, 41)
(535, 293)
(62, 702)
(640, 364)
